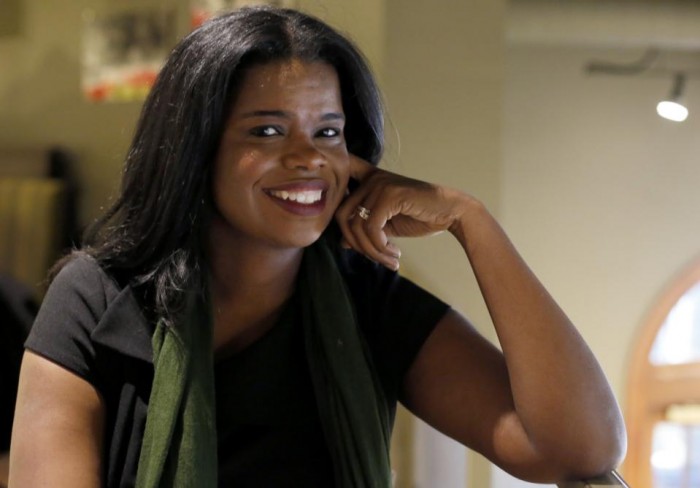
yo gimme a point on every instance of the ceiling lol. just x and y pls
(665, 24)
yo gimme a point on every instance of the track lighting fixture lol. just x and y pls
(672, 108)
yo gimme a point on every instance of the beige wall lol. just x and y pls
(363, 21)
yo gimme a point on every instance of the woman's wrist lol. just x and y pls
(469, 212)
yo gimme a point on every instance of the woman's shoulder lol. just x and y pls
(78, 265)
(81, 275)
(79, 297)
(85, 310)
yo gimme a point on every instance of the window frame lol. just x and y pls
(651, 388)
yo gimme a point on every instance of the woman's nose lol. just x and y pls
(302, 154)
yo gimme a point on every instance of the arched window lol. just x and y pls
(663, 399)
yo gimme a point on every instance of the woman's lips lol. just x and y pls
(306, 198)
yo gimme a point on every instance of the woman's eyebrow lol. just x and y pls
(333, 116)
(265, 113)
(283, 114)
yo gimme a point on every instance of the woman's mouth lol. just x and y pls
(306, 199)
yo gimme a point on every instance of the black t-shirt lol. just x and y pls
(268, 427)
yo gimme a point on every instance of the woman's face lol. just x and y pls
(282, 165)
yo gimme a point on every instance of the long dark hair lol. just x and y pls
(151, 237)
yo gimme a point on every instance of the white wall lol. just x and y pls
(600, 194)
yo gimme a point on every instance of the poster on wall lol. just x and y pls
(201, 10)
(123, 52)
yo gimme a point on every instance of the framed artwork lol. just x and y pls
(201, 10)
(123, 52)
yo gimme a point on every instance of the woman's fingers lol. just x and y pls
(381, 209)
(348, 214)
(361, 217)
(360, 169)
(386, 204)
(362, 229)
(367, 228)
(367, 247)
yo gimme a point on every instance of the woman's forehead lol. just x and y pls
(288, 72)
(286, 81)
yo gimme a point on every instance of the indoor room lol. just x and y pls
(547, 111)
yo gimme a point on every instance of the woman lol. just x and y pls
(214, 330)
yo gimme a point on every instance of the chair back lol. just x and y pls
(32, 224)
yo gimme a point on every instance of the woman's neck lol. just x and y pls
(238, 273)
(249, 286)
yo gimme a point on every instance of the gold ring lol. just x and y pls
(363, 212)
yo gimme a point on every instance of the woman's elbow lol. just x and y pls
(602, 454)
(607, 457)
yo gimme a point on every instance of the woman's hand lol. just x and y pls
(396, 207)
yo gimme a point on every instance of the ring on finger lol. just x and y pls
(363, 212)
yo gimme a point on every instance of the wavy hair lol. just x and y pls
(151, 237)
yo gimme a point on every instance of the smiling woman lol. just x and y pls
(236, 318)
(282, 166)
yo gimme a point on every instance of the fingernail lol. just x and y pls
(393, 249)
(392, 264)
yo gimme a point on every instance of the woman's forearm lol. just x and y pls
(560, 392)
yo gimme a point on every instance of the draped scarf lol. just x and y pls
(179, 444)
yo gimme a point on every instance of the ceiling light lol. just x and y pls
(672, 108)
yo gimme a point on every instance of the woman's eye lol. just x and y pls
(329, 132)
(265, 131)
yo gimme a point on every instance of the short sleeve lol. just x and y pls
(395, 314)
(72, 307)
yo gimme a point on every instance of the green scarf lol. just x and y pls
(179, 443)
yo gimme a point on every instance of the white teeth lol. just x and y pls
(306, 197)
